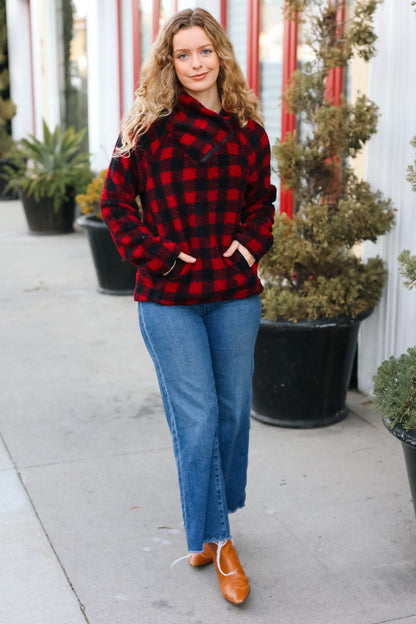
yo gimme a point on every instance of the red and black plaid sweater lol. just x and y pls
(203, 181)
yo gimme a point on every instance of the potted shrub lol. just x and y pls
(7, 110)
(317, 289)
(395, 389)
(115, 275)
(48, 176)
(395, 380)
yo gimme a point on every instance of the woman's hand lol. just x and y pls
(235, 245)
(182, 256)
(186, 258)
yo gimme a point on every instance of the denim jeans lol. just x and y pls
(204, 358)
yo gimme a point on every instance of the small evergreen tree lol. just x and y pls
(395, 390)
(311, 271)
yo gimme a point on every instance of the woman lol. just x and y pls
(193, 150)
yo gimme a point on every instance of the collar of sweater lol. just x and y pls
(199, 129)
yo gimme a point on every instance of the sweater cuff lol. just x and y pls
(164, 260)
(251, 244)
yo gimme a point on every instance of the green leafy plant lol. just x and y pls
(407, 268)
(395, 390)
(312, 270)
(52, 168)
(411, 170)
(89, 202)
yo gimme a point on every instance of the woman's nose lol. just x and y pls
(196, 61)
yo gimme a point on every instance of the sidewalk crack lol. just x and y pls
(60, 563)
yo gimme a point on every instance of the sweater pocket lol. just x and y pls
(239, 271)
(211, 277)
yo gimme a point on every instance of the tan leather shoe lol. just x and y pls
(232, 580)
(201, 559)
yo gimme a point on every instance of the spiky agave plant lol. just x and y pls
(54, 167)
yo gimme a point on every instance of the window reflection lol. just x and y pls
(237, 30)
(75, 65)
(145, 27)
(270, 69)
(167, 8)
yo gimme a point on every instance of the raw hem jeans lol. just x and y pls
(204, 359)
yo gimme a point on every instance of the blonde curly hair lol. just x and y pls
(156, 96)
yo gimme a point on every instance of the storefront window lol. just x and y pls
(270, 70)
(237, 30)
(75, 108)
(145, 28)
(167, 8)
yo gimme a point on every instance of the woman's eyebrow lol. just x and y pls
(206, 45)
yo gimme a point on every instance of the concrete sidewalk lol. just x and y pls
(89, 505)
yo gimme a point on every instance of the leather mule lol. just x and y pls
(232, 580)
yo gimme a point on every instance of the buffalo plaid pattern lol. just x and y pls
(202, 181)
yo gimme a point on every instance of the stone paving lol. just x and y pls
(89, 505)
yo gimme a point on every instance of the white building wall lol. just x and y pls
(392, 327)
(103, 85)
(20, 68)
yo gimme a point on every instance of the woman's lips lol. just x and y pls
(199, 76)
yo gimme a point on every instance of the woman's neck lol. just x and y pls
(210, 100)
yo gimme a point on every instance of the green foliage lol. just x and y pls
(407, 268)
(331, 47)
(411, 170)
(395, 390)
(89, 203)
(7, 107)
(312, 271)
(53, 167)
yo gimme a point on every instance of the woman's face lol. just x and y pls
(196, 62)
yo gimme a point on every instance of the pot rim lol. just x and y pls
(340, 321)
(91, 221)
(404, 435)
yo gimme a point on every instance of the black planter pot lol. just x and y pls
(115, 275)
(302, 371)
(42, 218)
(408, 440)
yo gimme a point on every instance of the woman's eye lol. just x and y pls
(181, 56)
(206, 51)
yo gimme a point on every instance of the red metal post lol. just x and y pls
(334, 81)
(223, 16)
(290, 41)
(137, 60)
(253, 31)
(155, 18)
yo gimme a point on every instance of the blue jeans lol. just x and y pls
(204, 358)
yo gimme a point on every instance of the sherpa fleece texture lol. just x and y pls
(203, 181)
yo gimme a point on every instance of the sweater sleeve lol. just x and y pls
(258, 210)
(120, 211)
